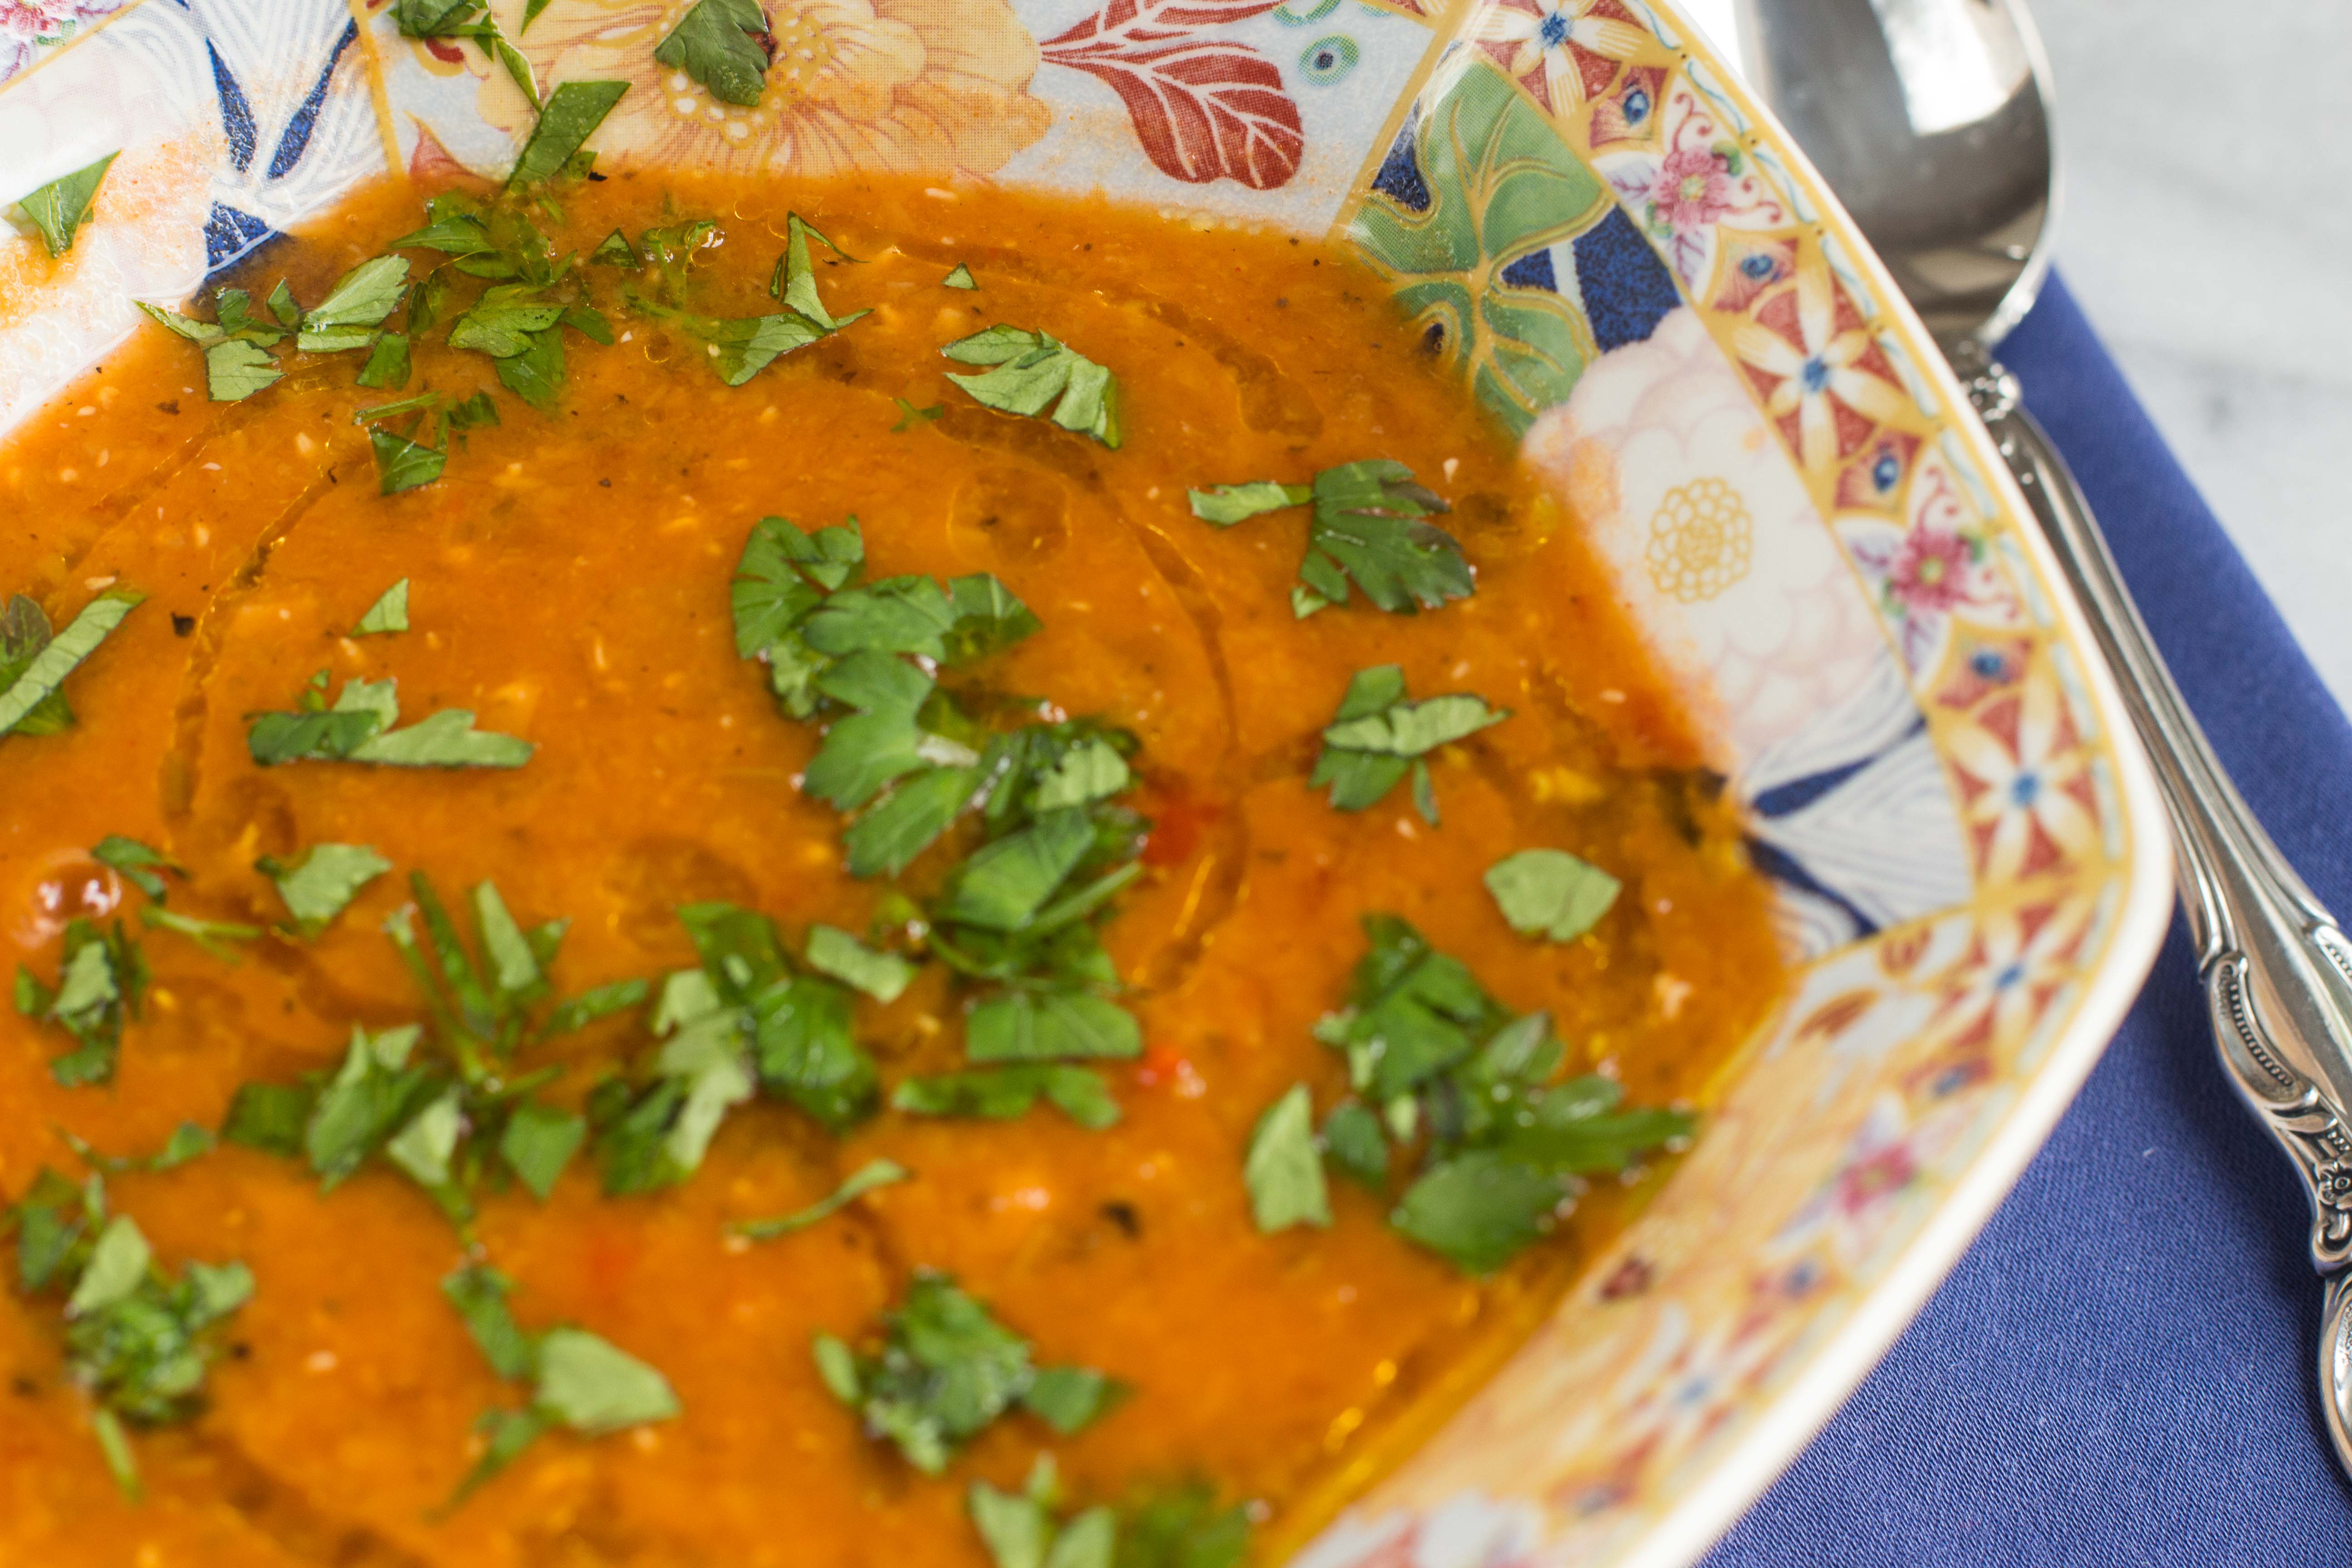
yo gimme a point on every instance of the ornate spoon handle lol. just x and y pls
(2278, 969)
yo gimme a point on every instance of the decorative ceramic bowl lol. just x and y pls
(1636, 274)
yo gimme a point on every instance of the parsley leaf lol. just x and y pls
(1001, 1094)
(1284, 1171)
(1033, 370)
(1019, 1531)
(403, 463)
(884, 976)
(62, 206)
(100, 985)
(323, 882)
(359, 728)
(614, 250)
(213, 936)
(1221, 506)
(389, 613)
(358, 301)
(1469, 1093)
(1378, 737)
(1368, 526)
(188, 1140)
(137, 1340)
(960, 278)
(865, 1179)
(947, 1369)
(235, 369)
(566, 119)
(387, 362)
(24, 631)
(1184, 1529)
(579, 1381)
(722, 45)
(1551, 893)
(137, 864)
(28, 687)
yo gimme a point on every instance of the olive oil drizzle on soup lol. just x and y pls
(715, 872)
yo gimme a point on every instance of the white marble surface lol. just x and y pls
(2207, 234)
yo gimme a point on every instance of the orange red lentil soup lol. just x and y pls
(569, 580)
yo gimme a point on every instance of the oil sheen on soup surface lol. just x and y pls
(1018, 889)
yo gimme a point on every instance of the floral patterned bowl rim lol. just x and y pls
(1634, 271)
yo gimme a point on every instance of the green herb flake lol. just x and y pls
(213, 936)
(101, 983)
(389, 614)
(1283, 1170)
(946, 1372)
(269, 1117)
(884, 976)
(236, 369)
(1001, 1094)
(538, 1142)
(1033, 369)
(24, 631)
(868, 1177)
(360, 300)
(402, 464)
(30, 686)
(137, 864)
(717, 43)
(1551, 893)
(615, 250)
(909, 415)
(62, 206)
(359, 728)
(387, 365)
(138, 1342)
(960, 278)
(1378, 737)
(323, 882)
(566, 119)
(1221, 506)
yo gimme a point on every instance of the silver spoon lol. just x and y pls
(1931, 120)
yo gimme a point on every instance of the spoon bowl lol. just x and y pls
(1932, 120)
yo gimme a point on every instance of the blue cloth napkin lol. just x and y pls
(2120, 1369)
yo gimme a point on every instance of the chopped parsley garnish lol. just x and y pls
(738, 348)
(946, 1370)
(62, 206)
(1378, 737)
(1283, 1170)
(458, 19)
(1032, 370)
(387, 362)
(137, 864)
(1020, 1531)
(1471, 1098)
(137, 1340)
(389, 614)
(403, 463)
(723, 45)
(237, 342)
(748, 1019)
(1016, 920)
(34, 663)
(1368, 527)
(566, 120)
(322, 883)
(347, 317)
(909, 415)
(100, 985)
(188, 1140)
(1001, 1094)
(1551, 893)
(578, 1382)
(960, 278)
(213, 936)
(444, 1108)
(872, 1175)
(359, 728)
(884, 976)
